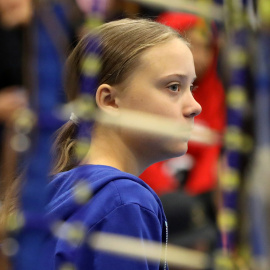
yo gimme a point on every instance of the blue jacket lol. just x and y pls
(121, 203)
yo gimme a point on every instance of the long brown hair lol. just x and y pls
(122, 43)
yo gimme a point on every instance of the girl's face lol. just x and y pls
(161, 84)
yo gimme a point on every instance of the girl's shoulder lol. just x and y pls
(97, 190)
(134, 191)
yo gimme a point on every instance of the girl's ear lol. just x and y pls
(106, 98)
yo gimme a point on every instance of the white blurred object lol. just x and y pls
(205, 135)
(203, 8)
(153, 251)
(185, 162)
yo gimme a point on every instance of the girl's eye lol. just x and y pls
(174, 87)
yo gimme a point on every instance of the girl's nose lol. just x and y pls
(193, 108)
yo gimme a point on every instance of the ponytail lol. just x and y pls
(64, 148)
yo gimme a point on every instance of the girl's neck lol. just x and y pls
(107, 148)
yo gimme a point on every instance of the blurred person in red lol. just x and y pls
(196, 172)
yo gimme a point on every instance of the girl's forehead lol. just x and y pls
(167, 50)
(173, 56)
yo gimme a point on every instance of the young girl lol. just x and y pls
(146, 67)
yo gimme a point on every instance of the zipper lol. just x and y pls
(166, 245)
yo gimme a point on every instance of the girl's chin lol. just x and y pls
(177, 149)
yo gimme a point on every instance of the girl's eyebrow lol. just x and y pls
(176, 76)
